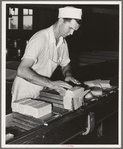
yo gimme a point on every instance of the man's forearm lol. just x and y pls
(67, 71)
(33, 77)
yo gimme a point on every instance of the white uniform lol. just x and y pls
(41, 48)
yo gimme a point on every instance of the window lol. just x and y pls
(19, 18)
(13, 18)
(27, 19)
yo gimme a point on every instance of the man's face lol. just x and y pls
(67, 28)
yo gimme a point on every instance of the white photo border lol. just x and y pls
(3, 82)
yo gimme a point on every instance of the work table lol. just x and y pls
(68, 124)
(70, 120)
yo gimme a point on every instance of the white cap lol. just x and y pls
(70, 12)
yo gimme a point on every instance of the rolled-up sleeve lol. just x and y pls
(33, 48)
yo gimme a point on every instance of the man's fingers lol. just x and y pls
(72, 80)
(61, 84)
(65, 85)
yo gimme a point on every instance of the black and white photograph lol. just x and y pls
(61, 74)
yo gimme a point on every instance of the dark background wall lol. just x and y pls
(99, 29)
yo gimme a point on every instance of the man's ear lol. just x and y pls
(61, 20)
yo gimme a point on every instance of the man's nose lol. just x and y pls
(71, 32)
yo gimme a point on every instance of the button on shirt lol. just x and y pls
(47, 55)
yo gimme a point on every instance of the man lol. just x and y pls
(45, 51)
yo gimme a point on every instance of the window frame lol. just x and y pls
(20, 18)
(28, 15)
(12, 16)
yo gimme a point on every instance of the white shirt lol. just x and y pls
(42, 47)
(47, 56)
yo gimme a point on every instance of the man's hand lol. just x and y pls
(68, 75)
(60, 84)
(72, 79)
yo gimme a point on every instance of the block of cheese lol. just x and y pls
(98, 83)
(32, 107)
(73, 98)
(78, 100)
(105, 83)
(92, 83)
(25, 105)
(68, 102)
(15, 104)
(39, 110)
(22, 105)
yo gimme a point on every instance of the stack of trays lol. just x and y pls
(72, 99)
(52, 97)
(25, 122)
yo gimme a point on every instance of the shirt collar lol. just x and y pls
(52, 37)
